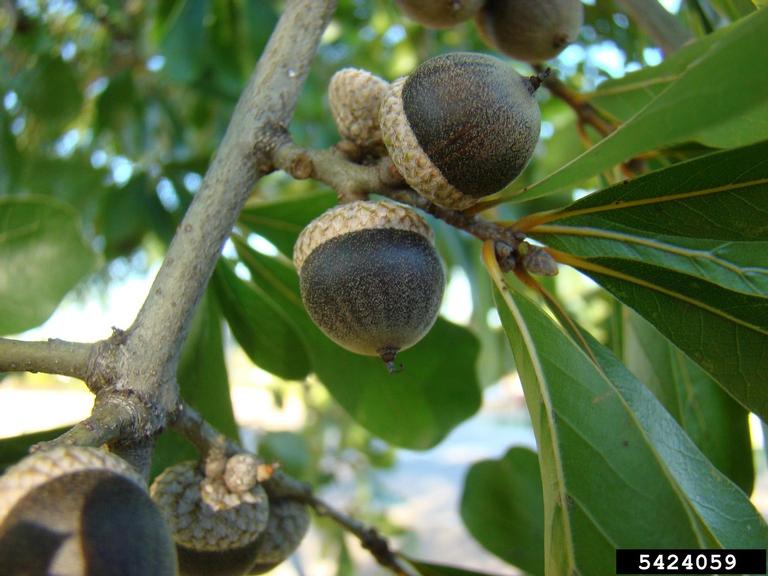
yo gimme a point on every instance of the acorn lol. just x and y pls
(460, 127)
(287, 526)
(439, 13)
(355, 98)
(530, 30)
(370, 277)
(214, 527)
(75, 511)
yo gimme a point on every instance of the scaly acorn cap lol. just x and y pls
(530, 30)
(439, 13)
(287, 526)
(370, 277)
(460, 127)
(355, 216)
(214, 528)
(66, 511)
(355, 98)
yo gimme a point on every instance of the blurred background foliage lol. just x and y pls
(116, 108)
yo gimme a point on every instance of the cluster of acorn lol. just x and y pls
(460, 127)
(75, 511)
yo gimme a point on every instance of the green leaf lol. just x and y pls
(282, 221)
(722, 196)
(738, 266)
(503, 508)
(714, 87)
(622, 98)
(431, 569)
(42, 255)
(72, 180)
(261, 328)
(724, 332)
(733, 9)
(202, 372)
(415, 408)
(686, 248)
(203, 384)
(607, 444)
(183, 45)
(127, 214)
(258, 20)
(713, 420)
(291, 450)
(120, 109)
(10, 159)
(15, 448)
(50, 90)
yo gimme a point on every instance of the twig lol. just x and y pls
(354, 181)
(52, 357)
(369, 537)
(587, 113)
(191, 424)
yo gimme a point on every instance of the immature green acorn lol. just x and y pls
(215, 528)
(530, 30)
(370, 277)
(439, 13)
(75, 511)
(355, 98)
(460, 127)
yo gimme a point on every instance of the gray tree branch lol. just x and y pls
(258, 125)
(52, 357)
(134, 371)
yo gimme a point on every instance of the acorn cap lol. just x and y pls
(287, 526)
(355, 98)
(439, 13)
(204, 515)
(355, 216)
(461, 127)
(530, 30)
(40, 467)
(68, 511)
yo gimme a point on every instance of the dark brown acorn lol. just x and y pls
(530, 30)
(460, 127)
(439, 13)
(75, 511)
(370, 277)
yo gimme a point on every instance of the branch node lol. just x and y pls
(536, 260)
(389, 174)
(301, 167)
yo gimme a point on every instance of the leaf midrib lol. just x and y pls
(626, 238)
